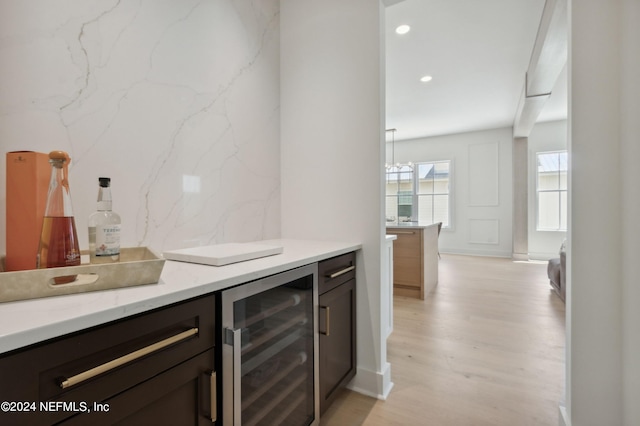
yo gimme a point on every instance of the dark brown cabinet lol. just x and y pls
(153, 368)
(336, 325)
(159, 367)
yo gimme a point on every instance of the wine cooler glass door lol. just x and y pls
(269, 355)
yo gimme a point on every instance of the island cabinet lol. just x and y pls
(336, 325)
(415, 260)
(152, 368)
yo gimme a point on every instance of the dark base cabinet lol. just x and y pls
(153, 368)
(170, 398)
(159, 367)
(337, 325)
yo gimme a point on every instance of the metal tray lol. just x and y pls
(137, 266)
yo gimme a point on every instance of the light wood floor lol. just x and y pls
(486, 347)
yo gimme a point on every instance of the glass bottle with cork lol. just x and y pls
(104, 227)
(58, 240)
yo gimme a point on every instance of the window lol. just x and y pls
(433, 192)
(399, 199)
(419, 193)
(552, 191)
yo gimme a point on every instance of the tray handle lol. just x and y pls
(75, 279)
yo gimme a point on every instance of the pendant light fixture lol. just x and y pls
(393, 164)
(393, 149)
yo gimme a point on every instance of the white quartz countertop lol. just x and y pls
(30, 321)
(409, 225)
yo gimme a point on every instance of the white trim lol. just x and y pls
(374, 384)
(484, 253)
(543, 256)
(520, 257)
(476, 224)
(563, 416)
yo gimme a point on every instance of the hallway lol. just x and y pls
(486, 347)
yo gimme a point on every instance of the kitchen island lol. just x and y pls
(415, 258)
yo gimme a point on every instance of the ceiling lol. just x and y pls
(477, 52)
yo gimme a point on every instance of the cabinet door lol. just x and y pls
(337, 327)
(408, 272)
(72, 372)
(336, 271)
(184, 395)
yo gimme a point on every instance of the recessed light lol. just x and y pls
(426, 78)
(403, 29)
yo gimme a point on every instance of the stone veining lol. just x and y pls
(147, 92)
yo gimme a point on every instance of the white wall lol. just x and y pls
(483, 199)
(603, 298)
(629, 160)
(332, 161)
(549, 136)
(147, 92)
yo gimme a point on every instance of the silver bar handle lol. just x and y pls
(342, 271)
(107, 366)
(237, 376)
(327, 321)
(213, 392)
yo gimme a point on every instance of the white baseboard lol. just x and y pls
(374, 384)
(520, 256)
(563, 417)
(481, 253)
(543, 256)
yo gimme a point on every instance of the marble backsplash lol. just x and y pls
(176, 101)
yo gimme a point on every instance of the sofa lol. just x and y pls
(557, 272)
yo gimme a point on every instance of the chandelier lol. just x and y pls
(393, 166)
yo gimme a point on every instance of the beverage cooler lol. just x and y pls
(269, 350)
